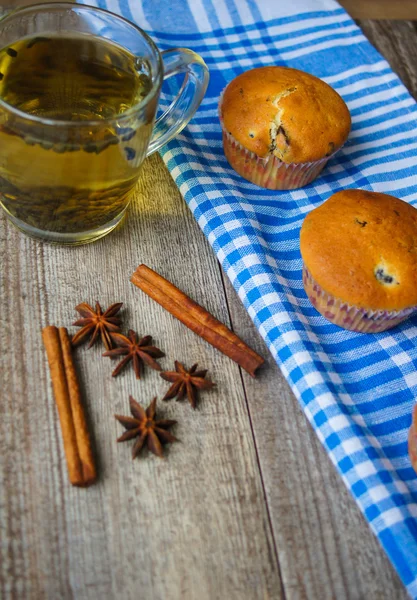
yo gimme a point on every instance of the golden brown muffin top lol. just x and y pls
(285, 112)
(362, 248)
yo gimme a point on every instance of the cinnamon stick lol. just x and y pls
(196, 318)
(76, 439)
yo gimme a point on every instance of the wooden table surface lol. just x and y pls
(247, 506)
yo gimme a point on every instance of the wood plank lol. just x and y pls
(397, 42)
(20, 3)
(325, 547)
(381, 9)
(192, 526)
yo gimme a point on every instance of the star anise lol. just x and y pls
(144, 426)
(97, 322)
(186, 382)
(134, 350)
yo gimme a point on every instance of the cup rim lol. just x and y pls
(91, 122)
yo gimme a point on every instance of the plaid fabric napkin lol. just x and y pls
(357, 390)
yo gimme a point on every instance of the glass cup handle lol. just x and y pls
(183, 107)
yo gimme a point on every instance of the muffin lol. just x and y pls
(359, 251)
(281, 126)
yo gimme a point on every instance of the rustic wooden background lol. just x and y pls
(248, 505)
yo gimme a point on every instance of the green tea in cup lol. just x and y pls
(76, 179)
(78, 99)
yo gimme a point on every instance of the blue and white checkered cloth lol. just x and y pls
(357, 390)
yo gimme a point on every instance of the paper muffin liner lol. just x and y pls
(348, 315)
(268, 172)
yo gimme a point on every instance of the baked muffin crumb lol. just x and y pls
(280, 126)
(360, 257)
(298, 117)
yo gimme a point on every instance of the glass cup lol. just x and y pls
(67, 176)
